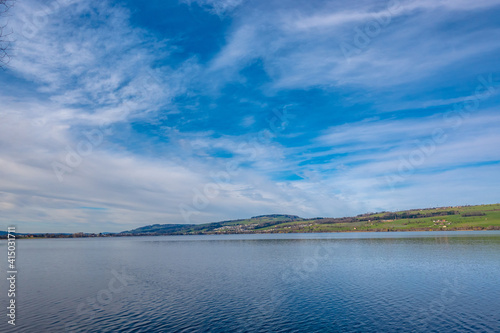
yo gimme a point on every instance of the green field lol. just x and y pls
(484, 217)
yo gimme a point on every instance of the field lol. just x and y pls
(443, 218)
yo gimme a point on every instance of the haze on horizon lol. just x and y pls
(119, 114)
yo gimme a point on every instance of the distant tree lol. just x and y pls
(4, 43)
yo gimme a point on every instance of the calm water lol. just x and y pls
(347, 282)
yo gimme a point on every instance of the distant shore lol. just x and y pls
(52, 236)
(452, 218)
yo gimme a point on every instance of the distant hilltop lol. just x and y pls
(481, 217)
(291, 217)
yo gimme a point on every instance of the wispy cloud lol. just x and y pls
(219, 7)
(303, 50)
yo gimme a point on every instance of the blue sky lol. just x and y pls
(118, 114)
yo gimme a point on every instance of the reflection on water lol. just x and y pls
(344, 282)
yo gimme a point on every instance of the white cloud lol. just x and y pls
(380, 162)
(300, 46)
(87, 55)
(219, 7)
(133, 190)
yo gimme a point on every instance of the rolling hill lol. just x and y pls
(481, 217)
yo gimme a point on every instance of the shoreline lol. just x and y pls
(18, 237)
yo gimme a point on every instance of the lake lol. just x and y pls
(338, 282)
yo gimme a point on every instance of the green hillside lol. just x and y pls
(482, 217)
(253, 224)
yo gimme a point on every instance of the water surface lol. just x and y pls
(339, 282)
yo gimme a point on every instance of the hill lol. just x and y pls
(481, 217)
(232, 226)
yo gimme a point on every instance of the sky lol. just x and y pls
(120, 114)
